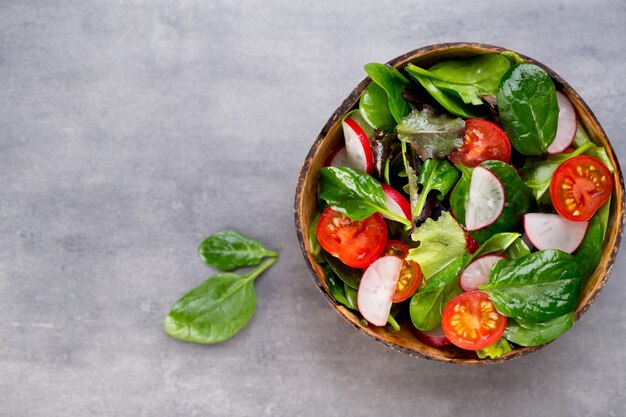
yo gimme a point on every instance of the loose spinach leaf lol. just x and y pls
(374, 107)
(431, 135)
(449, 102)
(533, 334)
(517, 249)
(494, 351)
(316, 249)
(353, 193)
(441, 241)
(413, 190)
(393, 82)
(229, 250)
(528, 108)
(469, 79)
(518, 199)
(350, 276)
(428, 303)
(436, 175)
(589, 252)
(538, 287)
(217, 309)
(497, 243)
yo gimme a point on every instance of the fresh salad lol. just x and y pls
(466, 200)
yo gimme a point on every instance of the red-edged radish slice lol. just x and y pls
(566, 129)
(338, 158)
(552, 231)
(358, 146)
(377, 287)
(486, 199)
(396, 203)
(357, 116)
(433, 338)
(527, 241)
(477, 272)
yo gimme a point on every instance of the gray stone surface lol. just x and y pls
(130, 130)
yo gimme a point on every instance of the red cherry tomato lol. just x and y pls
(483, 141)
(471, 321)
(355, 243)
(470, 243)
(410, 274)
(580, 186)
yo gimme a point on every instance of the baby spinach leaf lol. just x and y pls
(428, 303)
(448, 101)
(374, 107)
(316, 249)
(533, 334)
(431, 135)
(581, 139)
(512, 57)
(528, 108)
(336, 287)
(229, 250)
(494, 351)
(589, 252)
(497, 243)
(537, 288)
(350, 276)
(353, 193)
(393, 82)
(351, 296)
(517, 249)
(470, 79)
(217, 309)
(436, 175)
(441, 241)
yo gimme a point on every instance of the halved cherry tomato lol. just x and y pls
(410, 274)
(483, 141)
(580, 186)
(471, 321)
(355, 243)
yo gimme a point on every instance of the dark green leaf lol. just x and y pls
(351, 296)
(374, 107)
(528, 108)
(533, 334)
(229, 250)
(393, 82)
(589, 252)
(336, 287)
(353, 193)
(538, 287)
(436, 175)
(316, 249)
(428, 303)
(350, 276)
(494, 351)
(431, 135)
(217, 309)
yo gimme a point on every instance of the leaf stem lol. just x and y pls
(392, 321)
(261, 268)
(270, 254)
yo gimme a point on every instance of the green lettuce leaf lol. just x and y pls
(494, 351)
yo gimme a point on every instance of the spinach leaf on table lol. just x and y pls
(528, 108)
(374, 107)
(229, 250)
(533, 334)
(436, 175)
(431, 135)
(354, 193)
(216, 309)
(393, 82)
(536, 288)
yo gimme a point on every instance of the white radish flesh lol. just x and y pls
(339, 158)
(433, 338)
(396, 203)
(566, 128)
(358, 146)
(377, 287)
(552, 231)
(477, 272)
(486, 199)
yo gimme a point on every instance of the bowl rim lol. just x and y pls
(349, 103)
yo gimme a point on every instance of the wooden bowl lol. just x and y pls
(404, 340)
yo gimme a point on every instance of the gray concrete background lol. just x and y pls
(130, 130)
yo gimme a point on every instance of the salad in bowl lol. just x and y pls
(462, 205)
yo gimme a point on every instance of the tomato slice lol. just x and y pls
(355, 243)
(410, 274)
(580, 186)
(472, 322)
(483, 141)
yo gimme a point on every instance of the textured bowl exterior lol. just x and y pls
(405, 340)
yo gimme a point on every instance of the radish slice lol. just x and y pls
(357, 146)
(527, 241)
(377, 287)
(551, 231)
(396, 203)
(566, 129)
(433, 338)
(338, 158)
(486, 199)
(477, 272)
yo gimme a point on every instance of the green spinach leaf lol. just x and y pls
(393, 82)
(589, 252)
(497, 243)
(533, 334)
(229, 250)
(316, 249)
(217, 309)
(431, 135)
(512, 57)
(350, 276)
(354, 193)
(351, 296)
(517, 249)
(374, 107)
(436, 175)
(494, 351)
(537, 288)
(336, 287)
(582, 140)
(528, 108)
